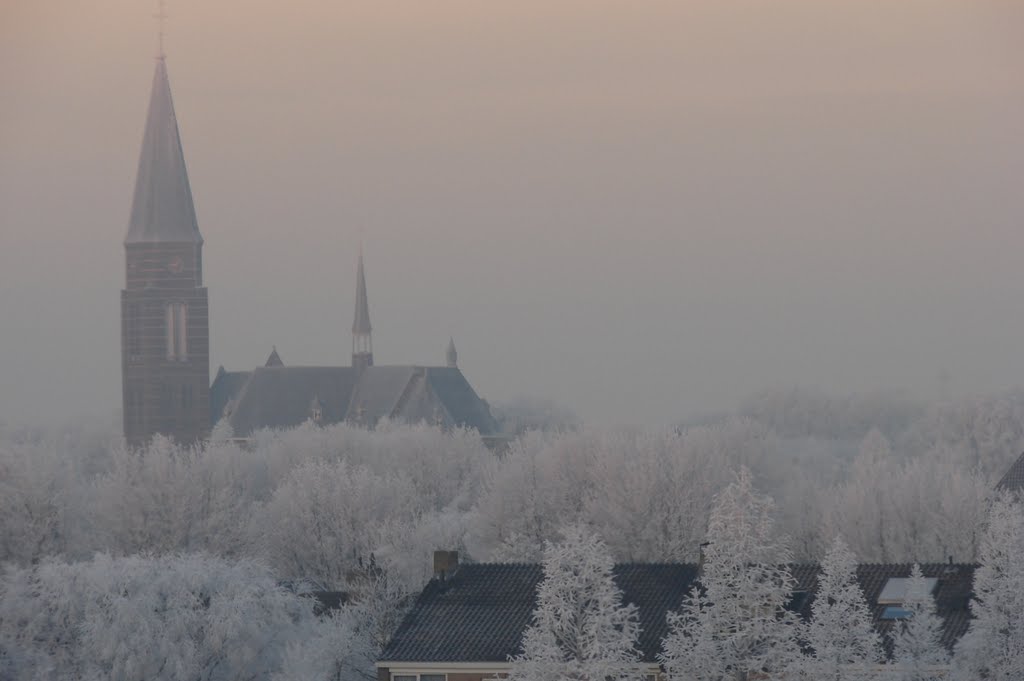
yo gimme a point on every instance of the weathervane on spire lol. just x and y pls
(161, 18)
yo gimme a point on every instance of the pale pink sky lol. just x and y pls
(641, 209)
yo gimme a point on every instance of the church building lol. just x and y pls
(165, 340)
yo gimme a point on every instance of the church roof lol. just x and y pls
(162, 208)
(464, 406)
(279, 397)
(1013, 481)
(361, 322)
(378, 391)
(225, 388)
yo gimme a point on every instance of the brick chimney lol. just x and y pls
(445, 564)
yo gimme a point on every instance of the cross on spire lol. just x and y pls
(161, 19)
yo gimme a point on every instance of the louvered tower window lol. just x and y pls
(176, 331)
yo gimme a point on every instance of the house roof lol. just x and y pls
(480, 613)
(162, 207)
(1013, 481)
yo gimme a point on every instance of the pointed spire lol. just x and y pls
(361, 323)
(451, 355)
(162, 208)
(362, 338)
(274, 360)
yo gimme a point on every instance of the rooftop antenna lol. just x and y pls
(161, 18)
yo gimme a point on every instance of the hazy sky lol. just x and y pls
(640, 209)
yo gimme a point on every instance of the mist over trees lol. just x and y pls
(349, 509)
(899, 481)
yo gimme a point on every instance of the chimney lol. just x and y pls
(700, 563)
(445, 564)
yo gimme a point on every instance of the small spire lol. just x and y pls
(362, 331)
(451, 355)
(274, 360)
(361, 323)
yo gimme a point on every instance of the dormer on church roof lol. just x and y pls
(274, 360)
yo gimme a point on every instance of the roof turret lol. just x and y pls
(274, 360)
(451, 356)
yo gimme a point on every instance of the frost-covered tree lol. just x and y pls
(993, 647)
(844, 645)
(918, 653)
(335, 650)
(735, 625)
(150, 619)
(581, 630)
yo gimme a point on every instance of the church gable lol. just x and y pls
(460, 401)
(280, 397)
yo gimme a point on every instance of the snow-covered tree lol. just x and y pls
(581, 630)
(149, 619)
(844, 644)
(918, 653)
(335, 650)
(735, 625)
(993, 647)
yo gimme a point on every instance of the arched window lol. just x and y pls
(176, 331)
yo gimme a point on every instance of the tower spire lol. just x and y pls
(165, 321)
(162, 207)
(362, 332)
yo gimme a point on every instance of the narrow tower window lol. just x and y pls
(181, 326)
(170, 335)
(176, 318)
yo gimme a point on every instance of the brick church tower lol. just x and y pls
(165, 342)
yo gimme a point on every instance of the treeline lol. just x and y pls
(312, 502)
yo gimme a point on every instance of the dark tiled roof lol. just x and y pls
(226, 386)
(377, 392)
(276, 396)
(952, 593)
(280, 397)
(1013, 481)
(464, 406)
(480, 614)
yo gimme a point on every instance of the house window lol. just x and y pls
(176, 331)
(894, 612)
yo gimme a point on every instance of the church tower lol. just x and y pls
(165, 342)
(362, 337)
